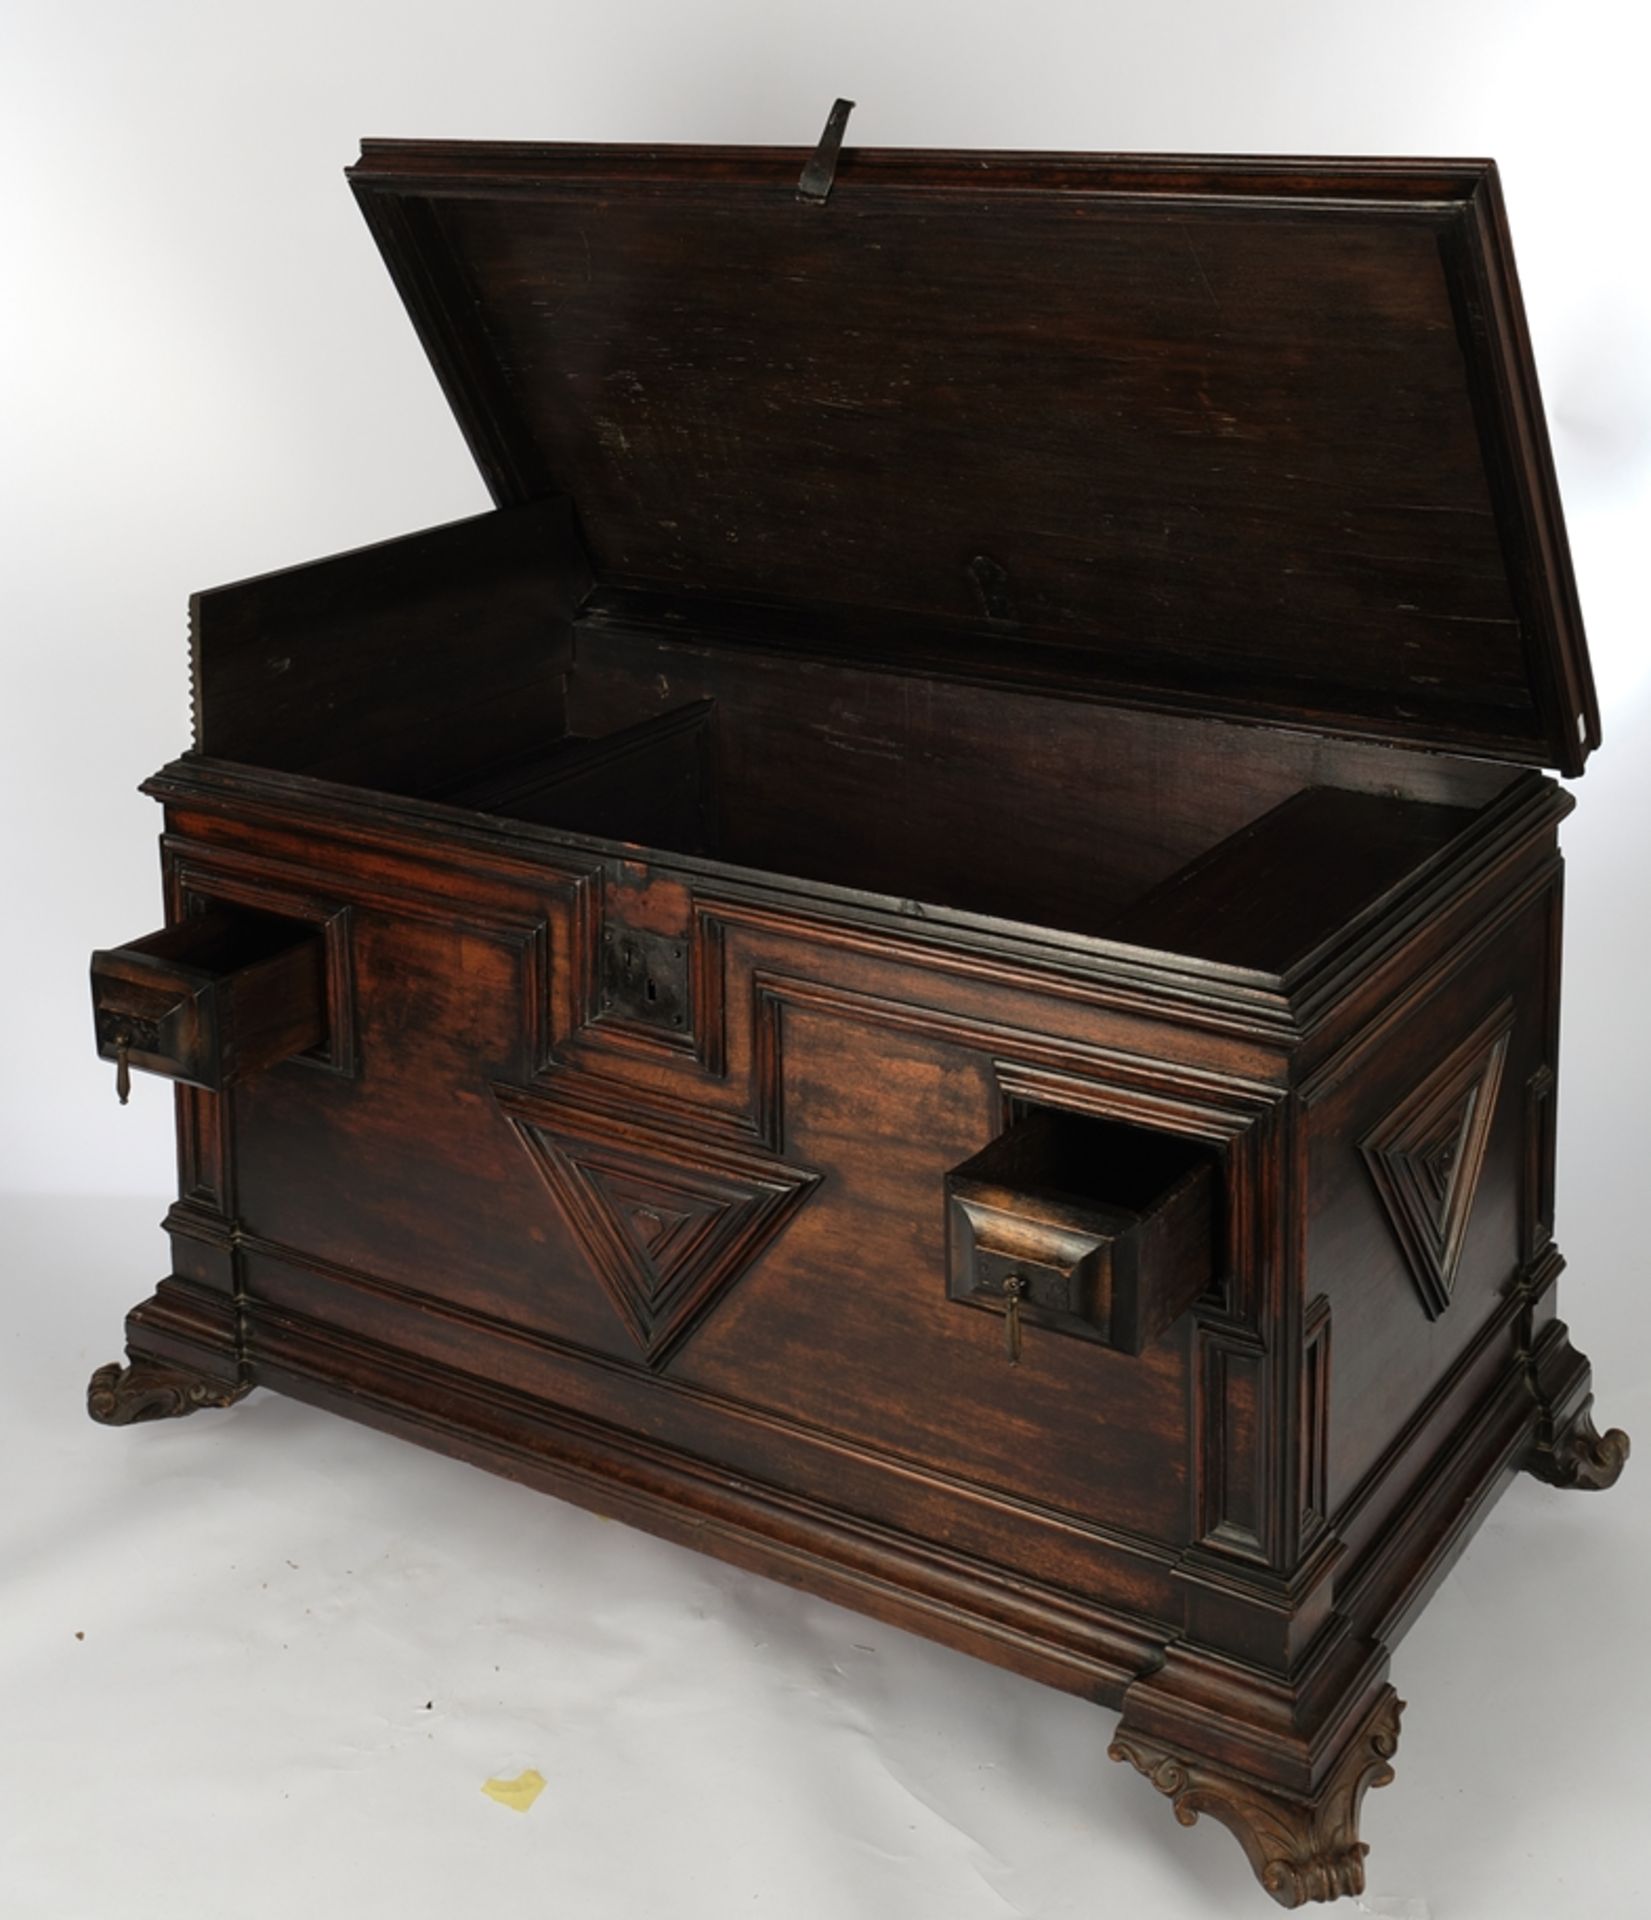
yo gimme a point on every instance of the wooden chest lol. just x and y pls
(931, 961)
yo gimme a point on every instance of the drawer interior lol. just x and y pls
(222, 941)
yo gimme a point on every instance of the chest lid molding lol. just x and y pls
(1256, 438)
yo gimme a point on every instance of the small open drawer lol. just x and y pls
(1089, 1227)
(213, 999)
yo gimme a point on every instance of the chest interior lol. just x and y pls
(927, 794)
(1156, 551)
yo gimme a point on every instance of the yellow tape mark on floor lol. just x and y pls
(519, 1793)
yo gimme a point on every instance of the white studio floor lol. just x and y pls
(260, 1662)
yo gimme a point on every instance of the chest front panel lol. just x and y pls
(734, 1232)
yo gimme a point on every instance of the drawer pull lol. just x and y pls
(123, 1065)
(1014, 1289)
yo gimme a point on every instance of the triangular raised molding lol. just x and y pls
(1427, 1155)
(667, 1225)
(662, 1224)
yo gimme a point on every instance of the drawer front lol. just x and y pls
(1083, 1226)
(212, 1000)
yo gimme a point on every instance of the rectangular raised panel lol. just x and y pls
(1537, 1229)
(1314, 1426)
(1233, 1510)
(1108, 1229)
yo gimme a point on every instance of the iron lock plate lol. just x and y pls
(645, 977)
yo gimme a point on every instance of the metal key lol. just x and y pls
(1014, 1291)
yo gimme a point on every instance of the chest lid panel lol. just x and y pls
(1259, 439)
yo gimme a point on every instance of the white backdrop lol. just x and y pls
(208, 375)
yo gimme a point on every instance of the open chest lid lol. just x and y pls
(1258, 439)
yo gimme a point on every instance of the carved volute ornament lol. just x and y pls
(118, 1396)
(1300, 1849)
(1581, 1456)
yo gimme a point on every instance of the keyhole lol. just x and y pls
(651, 990)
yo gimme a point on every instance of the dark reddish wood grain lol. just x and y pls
(797, 876)
(430, 657)
(1252, 439)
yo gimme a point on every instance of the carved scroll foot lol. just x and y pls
(118, 1396)
(1301, 1849)
(1579, 1455)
